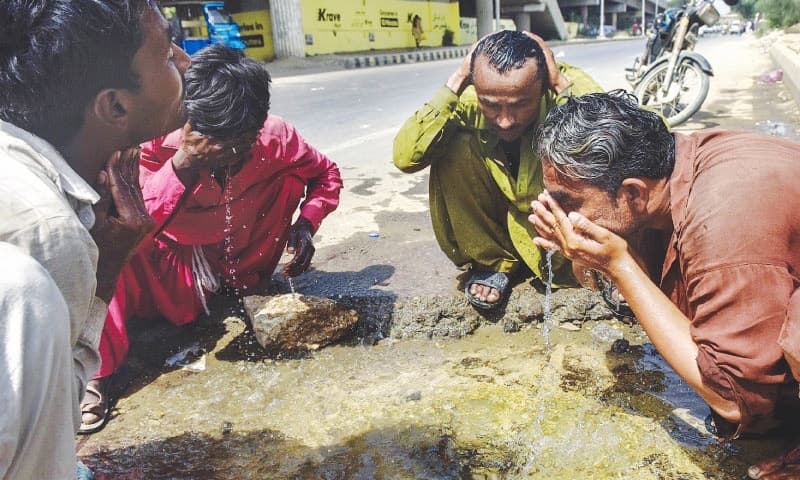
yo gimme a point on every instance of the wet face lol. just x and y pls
(607, 210)
(509, 101)
(157, 106)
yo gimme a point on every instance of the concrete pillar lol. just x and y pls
(585, 15)
(287, 28)
(614, 19)
(484, 12)
(602, 29)
(523, 21)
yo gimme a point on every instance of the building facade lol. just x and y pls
(296, 28)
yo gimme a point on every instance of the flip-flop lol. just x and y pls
(725, 430)
(620, 309)
(101, 408)
(496, 280)
(719, 427)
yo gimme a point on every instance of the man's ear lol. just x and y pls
(634, 192)
(111, 108)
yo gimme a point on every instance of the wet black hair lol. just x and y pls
(604, 138)
(509, 49)
(227, 93)
(57, 55)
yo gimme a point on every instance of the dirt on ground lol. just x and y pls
(425, 386)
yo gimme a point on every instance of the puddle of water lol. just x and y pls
(488, 406)
(776, 129)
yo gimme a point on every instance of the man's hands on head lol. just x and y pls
(121, 221)
(462, 77)
(300, 243)
(199, 152)
(557, 81)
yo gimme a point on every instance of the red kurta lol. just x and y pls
(241, 228)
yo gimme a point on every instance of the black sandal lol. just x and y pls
(497, 280)
(620, 309)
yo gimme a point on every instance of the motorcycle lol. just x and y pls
(669, 77)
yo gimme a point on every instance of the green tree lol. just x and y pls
(746, 8)
(780, 13)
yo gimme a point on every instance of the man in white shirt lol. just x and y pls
(80, 82)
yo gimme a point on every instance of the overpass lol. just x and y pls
(548, 17)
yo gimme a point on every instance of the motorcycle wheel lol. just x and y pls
(686, 95)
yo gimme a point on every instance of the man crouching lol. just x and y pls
(222, 191)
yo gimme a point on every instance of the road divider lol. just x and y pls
(399, 58)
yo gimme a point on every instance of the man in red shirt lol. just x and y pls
(222, 191)
(701, 235)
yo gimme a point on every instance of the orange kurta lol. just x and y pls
(732, 265)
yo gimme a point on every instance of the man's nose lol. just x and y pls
(505, 121)
(182, 59)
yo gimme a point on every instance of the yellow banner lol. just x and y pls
(362, 25)
(256, 30)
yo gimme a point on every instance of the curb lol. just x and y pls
(377, 60)
(789, 61)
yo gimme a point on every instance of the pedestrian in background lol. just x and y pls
(416, 30)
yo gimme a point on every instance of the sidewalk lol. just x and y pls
(785, 52)
(286, 67)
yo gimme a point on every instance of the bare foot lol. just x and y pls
(484, 293)
(784, 467)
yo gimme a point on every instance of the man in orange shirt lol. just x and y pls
(701, 235)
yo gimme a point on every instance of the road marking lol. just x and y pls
(354, 142)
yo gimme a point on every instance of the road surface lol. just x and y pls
(353, 115)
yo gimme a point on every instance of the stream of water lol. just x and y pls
(548, 324)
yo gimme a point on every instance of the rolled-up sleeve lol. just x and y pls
(738, 313)
(735, 219)
(418, 142)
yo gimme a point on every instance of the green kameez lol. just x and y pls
(479, 210)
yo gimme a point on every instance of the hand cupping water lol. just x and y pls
(579, 239)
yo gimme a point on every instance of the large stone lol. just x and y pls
(294, 322)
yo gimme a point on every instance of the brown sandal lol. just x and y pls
(95, 406)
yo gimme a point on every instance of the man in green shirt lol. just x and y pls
(475, 134)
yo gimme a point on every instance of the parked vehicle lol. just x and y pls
(594, 30)
(216, 26)
(736, 28)
(669, 76)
